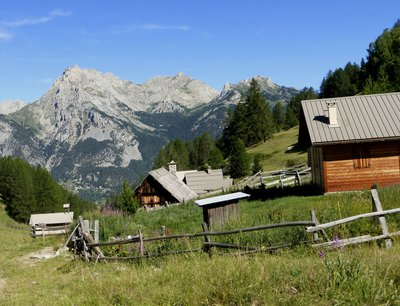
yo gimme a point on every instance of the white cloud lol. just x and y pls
(149, 27)
(5, 35)
(34, 21)
(152, 26)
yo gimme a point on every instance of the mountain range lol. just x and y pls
(92, 130)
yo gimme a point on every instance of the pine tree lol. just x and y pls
(238, 161)
(126, 201)
(278, 114)
(257, 164)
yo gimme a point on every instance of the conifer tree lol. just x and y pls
(238, 162)
(278, 114)
(126, 201)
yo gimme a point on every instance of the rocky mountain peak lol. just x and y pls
(10, 106)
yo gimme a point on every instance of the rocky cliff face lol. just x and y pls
(91, 130)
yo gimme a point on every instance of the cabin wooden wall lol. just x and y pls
(359, 166)
(316, 162)
(152, 194)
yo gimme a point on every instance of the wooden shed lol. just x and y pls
(217, 210)
(354, 142)
(51, 223)
(161, 187)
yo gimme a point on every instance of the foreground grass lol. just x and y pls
(363, 275)
(275, 152)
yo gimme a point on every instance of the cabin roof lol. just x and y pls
(203, 182)
(222, 198)
(173, 185)
(51, 218)
(360, 119)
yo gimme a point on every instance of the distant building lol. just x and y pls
(354, 142)
(163, 186)
(220, 209)
(51, 223)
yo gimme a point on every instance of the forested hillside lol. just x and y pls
(26, 189)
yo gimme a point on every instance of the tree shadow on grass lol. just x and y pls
(263, 194)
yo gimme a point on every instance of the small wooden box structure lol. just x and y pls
(50, 224)
(217, 210)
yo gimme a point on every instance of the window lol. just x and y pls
(361, 157)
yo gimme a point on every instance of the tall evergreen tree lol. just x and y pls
(257, 164)
(126, 201)
(278, 113)
(294, 106)
(239, 164)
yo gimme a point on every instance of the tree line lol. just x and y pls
(26, 190)
(378, 73)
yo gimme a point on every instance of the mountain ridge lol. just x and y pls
(94, 129)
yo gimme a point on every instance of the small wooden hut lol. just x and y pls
(50, 224)
(217, 210)
(354, 142)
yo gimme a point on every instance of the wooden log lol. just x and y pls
(207, 248)
(134, 239)
(315, 228)
(228, 246)
(381, 219)
(361, 239)
(151, 255)
(90, 241)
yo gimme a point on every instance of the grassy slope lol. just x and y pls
(274, 151)
(354, 275)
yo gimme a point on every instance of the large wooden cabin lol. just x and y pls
(354, 142)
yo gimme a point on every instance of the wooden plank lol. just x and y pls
(315, 228)
(361, 239)
(382, 220)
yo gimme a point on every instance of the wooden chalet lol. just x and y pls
(161, 187)
(354, 142)
(218, 210)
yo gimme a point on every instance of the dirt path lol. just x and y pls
(32, 258)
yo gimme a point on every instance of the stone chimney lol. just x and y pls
(172, 167)
(332, 114)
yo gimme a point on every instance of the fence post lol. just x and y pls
(298, 179)
(377, 206)
(86, 226)
(141, 245)
(96, 231)
(207, 248)
(314, 219)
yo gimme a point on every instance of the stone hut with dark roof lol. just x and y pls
(353, 142)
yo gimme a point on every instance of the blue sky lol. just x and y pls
(293, 42)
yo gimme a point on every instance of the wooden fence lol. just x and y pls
(283, 177)
(83, 244)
